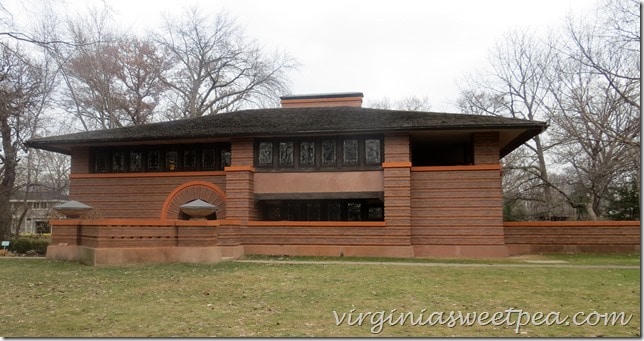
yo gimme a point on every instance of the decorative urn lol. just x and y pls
(73, 209)
(198, 209)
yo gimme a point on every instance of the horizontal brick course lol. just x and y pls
(573, 236)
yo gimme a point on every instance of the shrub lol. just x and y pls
(40, 246)
(24, 245)
(20, 245)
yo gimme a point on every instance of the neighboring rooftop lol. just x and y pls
(38, 195)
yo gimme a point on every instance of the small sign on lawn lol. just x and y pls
(5, 243)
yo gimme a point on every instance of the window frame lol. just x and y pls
(318, 164)
(320, 209)
(146, 151)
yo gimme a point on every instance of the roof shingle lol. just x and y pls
(290, 121)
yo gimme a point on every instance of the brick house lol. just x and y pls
(320, 176)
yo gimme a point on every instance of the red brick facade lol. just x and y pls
(444, 211)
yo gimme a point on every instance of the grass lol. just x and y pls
(42, 298)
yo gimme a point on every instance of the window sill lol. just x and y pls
(145, 175)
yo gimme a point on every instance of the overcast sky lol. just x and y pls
(393, 48)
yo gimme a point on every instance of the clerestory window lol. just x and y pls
(321, 153)
(170, 158)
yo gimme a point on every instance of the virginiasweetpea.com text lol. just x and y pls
(511, 317)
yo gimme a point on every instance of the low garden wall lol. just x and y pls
(572, 237)
(325, 238)
(118, 241)
(134, 233)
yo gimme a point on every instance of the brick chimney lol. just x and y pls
(352, 99)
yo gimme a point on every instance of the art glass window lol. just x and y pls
(190, 159)
(208, 159)
(100, 162)
(172, 161)
(328, 153)
(118, 162)
(286, 154)
(265, 154)
(154, 161)
(307, 154)
(136, 161)
(350, 148)
(372, 151)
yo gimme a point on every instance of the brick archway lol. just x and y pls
(190, 191)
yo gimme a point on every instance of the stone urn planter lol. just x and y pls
(73, 209)
(198, 209)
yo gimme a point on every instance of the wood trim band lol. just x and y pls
(145, 175)
(456, 168)
(396, 164)
(143, 222)
(555, 224)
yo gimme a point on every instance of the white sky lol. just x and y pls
(392, 48)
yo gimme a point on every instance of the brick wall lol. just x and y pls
(133, 195)
(240, 182)
(457, 211)
(397, 184)
(486, 148)
(573, 237)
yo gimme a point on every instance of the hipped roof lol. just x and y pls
(298, 121)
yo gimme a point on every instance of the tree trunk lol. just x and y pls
(590, 211)
(543, 173)
(8, 176)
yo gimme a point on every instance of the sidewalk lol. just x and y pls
(527, 264)
(532, 264)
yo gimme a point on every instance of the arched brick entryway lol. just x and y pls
(190, 191)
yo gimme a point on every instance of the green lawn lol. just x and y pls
(40, 298)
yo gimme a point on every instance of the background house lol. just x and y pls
(31, 211)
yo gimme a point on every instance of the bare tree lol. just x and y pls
(516, 87)
(216, 68)
(595, 100)
(412, 103)
(23, 87)
(140, 68)
(609, 44)
(112, 79)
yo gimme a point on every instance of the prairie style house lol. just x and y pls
(319, 176)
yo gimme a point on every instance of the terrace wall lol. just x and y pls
(572, 237)
(122, 241)
(325, 239)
